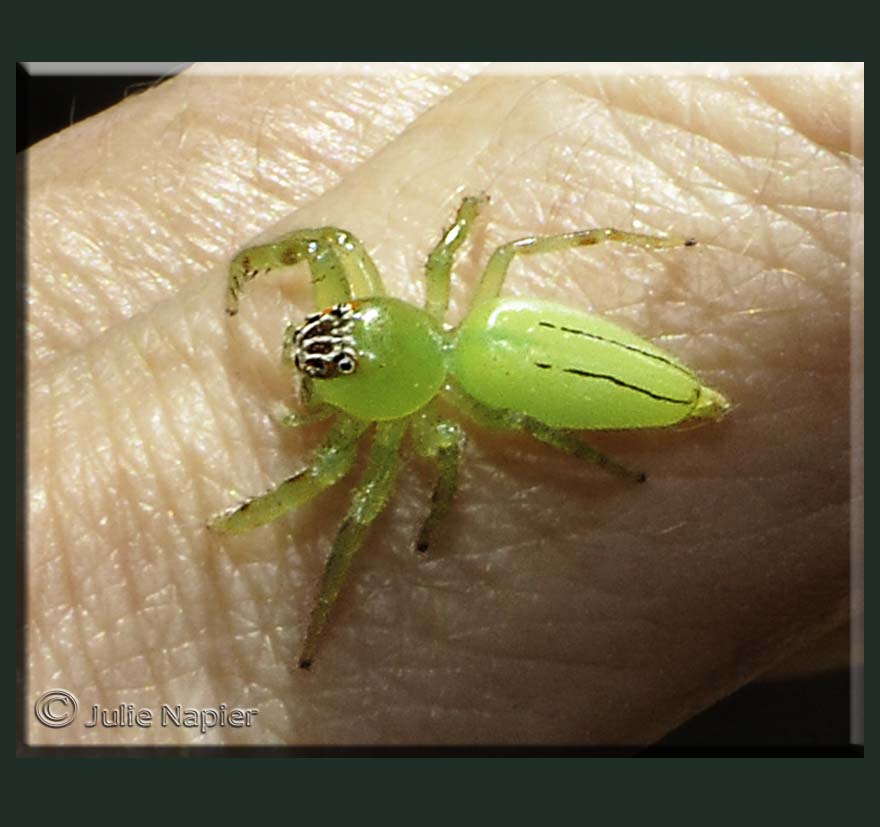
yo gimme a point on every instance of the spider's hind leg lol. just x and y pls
(495, 273)
(560, 438)
(565, 440)
(442, 441)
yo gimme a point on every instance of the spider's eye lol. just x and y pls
(345, 364)
(323, 344)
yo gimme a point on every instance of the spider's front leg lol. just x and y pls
(438, 268)
(340, 265)
(367, 503)
(493, 276)
(332, 461)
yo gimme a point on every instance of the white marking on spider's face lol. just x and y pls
(323, 345)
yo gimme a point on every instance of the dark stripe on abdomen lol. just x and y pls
(599, 338)
(608, 378)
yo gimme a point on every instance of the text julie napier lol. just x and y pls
(202, 719)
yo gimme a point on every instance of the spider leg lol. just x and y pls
(493, 276)
(340, 265)
(314, 412)
(560, 438)
(368, 501)
(438, 267)
(331, 463)
(294, 419)
(566, 441)
(443, 441)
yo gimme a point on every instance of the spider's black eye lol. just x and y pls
(323, 346)
(344, 364)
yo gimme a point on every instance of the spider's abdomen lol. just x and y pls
(572, 370)
(398, 361)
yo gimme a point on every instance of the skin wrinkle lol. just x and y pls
(246, 423)
(186, 353)
(67, 309)
(567, 173)
(258, 626)
(603, 94)
(131, 580)
(740, 159)
(150, 444)
(360, 623)
(720, 183)
(50, 508)
(115, 123)
(73, 589)
(775, 105)
(529, 149)
(148, 440)
(155, 603)
(94, 602)
(225, 610)
(227, 458)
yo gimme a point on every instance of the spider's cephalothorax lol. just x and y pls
(516, 364)
(397, 353)
(323, 345)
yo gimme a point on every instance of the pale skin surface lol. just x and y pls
(558, 604)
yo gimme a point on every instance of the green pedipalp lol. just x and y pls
(337, 260)
(515, 364)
